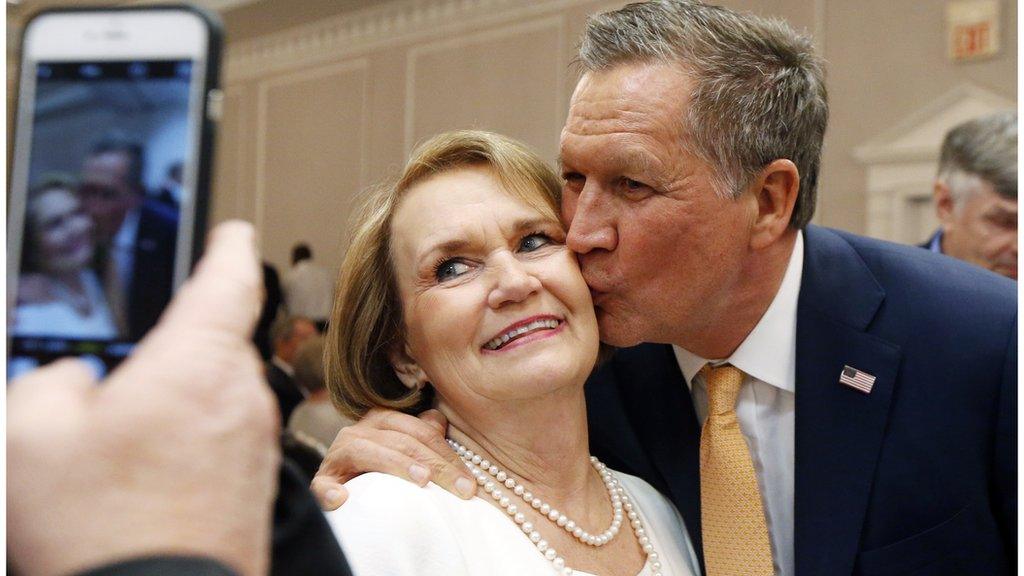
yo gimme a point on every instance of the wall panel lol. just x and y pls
(508, 80)
(310, 158)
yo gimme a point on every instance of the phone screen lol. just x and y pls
(106, 194)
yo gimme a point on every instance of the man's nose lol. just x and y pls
(590, 223)
(514, 281)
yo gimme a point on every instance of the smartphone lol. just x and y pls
(109, 178)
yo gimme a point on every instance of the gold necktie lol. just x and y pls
(732, 515)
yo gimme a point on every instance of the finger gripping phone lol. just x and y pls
(109, 178)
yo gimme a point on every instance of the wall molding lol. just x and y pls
(918, 136)
(900, 163)
(556, 22)
(389, 24)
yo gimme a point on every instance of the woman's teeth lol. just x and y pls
(549, 324)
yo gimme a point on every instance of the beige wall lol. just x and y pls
(326, 98)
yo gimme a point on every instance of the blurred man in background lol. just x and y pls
(308, 288)
(135, 236)
(286, 335)
(976, 194)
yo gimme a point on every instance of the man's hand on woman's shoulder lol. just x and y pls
(388, 441)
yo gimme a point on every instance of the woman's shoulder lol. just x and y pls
(664, 524)
(653, 504)
(389, 525)
(375, 494)
(638, 487)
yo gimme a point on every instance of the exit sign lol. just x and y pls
(972, 29)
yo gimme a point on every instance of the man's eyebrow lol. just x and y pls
(633, 160)
(637, 161)
(1001, 212)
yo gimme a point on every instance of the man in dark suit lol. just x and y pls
(136, 236)
(287, 333)
(873, 385)
(976, 194)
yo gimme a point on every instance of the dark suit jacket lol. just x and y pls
(152, 267)
(918, 477)
(287, 393)
(271, 303)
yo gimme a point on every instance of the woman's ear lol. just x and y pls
(406, 368)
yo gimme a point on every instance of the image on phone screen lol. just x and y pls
(97, 261)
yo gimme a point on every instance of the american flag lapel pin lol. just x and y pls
(856, 379)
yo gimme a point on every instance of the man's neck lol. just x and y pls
(735, 317)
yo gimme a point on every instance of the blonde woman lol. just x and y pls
(56, 261)
(458, 292)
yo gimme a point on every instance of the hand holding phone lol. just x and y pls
(109, 180)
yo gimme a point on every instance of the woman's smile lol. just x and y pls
(525, 331)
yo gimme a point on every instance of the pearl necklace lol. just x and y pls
(481, 469)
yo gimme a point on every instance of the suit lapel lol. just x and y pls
(662, 413)
(839, 430)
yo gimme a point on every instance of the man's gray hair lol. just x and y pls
(284, 326)
(119, 142)
(759, 91)
(985, 147)
(309, 365)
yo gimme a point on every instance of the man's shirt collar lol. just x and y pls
(284, 366)
(125, 237)
(935, 245)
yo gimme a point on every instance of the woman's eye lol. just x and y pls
(450, 269)
(533, 242)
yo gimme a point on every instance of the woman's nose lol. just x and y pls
(514, 282)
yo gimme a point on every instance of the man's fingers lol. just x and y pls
(57, 388)
(226, 289)
(432, 450)
(423, 463)
(329, 495)
(435, 418)
(424, 430)
(67, 374)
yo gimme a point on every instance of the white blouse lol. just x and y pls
(389, 526)
(59, 319)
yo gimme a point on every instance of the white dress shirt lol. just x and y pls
(122, 249)
(309, 291)
(766, 404)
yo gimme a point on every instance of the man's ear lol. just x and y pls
(406, 367)
(776, 189)
(944, 204)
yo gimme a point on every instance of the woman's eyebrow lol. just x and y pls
(529, 224)
(455, 245)
(443, 247)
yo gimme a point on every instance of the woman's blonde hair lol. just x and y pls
(366, 322)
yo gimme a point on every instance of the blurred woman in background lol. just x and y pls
(57, 255)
